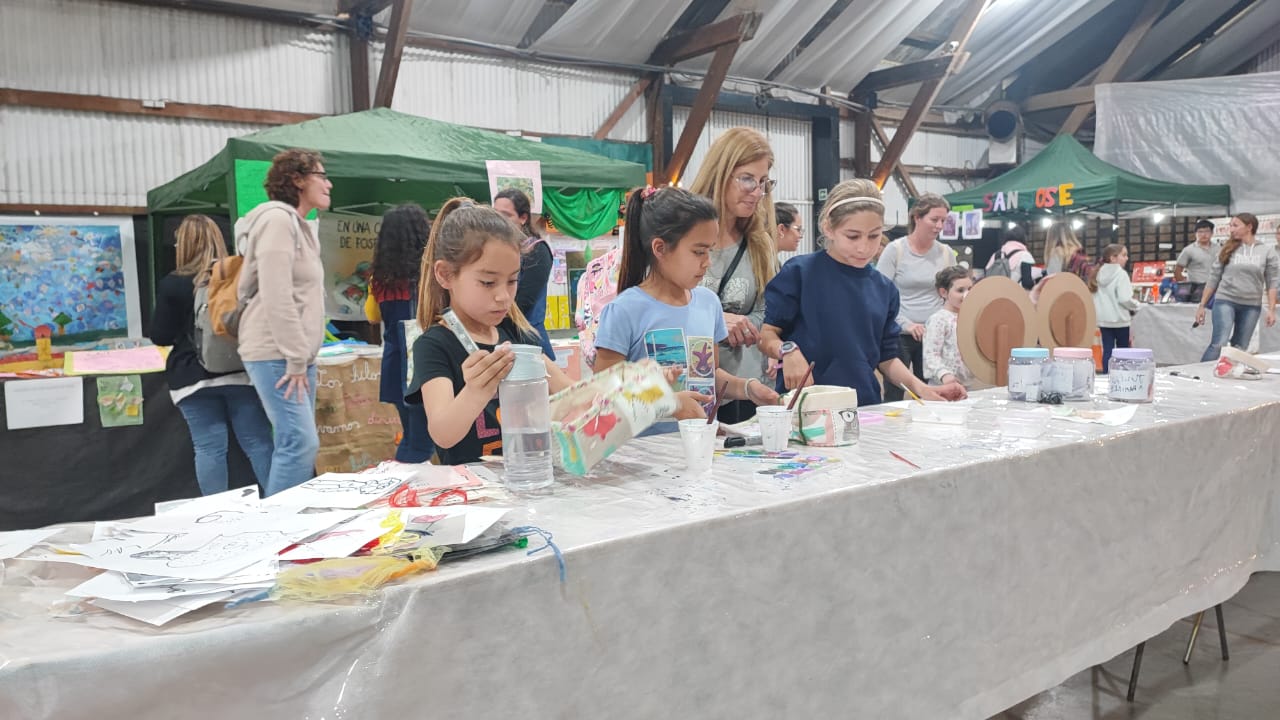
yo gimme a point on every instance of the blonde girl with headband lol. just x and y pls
(663, 311)
(833, 309)
(912, 263)
(472, 266)
(735, 177)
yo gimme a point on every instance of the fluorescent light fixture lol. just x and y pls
(1046, 222)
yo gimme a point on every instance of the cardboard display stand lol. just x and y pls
(1065, 316)
(996, 317)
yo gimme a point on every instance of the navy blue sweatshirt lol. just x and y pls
(842, 317)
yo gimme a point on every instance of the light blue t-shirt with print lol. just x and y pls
(634, 324)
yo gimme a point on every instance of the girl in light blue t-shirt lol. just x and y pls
(661, 311)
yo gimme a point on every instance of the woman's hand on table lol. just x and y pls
(949, 392)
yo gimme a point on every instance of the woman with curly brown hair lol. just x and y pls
(282, 326)
(393, 289)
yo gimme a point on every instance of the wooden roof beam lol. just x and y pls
(1111, 68)
(928, 92)
(900, 75)
(393, 51)
(708, 38)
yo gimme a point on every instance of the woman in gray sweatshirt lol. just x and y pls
(1243, 271)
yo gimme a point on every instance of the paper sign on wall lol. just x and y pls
(524, 175)
(346, 249)
(43, 403)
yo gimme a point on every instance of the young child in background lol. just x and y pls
(662, 312)
(834, 309)
(942, 361)
(472, 266)
(1113, 300)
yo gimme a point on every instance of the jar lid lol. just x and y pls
(1132, 354)
(528, 364)
(1070, 353)
(1029, 353)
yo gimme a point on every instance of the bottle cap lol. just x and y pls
(528, 365)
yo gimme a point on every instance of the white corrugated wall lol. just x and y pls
(61, 157)
(511, 95)
(925, 148)
(71, 158)
(792, 143)
(1268, 60)
(147, 53)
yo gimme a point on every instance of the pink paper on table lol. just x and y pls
(146, 359)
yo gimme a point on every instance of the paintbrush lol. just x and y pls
(907, 390)
(711, 416)
(800, 387)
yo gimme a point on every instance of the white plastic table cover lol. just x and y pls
(1166, 329)
(996, 571)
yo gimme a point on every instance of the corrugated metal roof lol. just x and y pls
(131, 51)
(61, 157)
(512, 95)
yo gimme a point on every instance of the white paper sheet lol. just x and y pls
(16, 542)
(206, 554)
(341, 490)
(111, 585)
(43, 403)
(342, 540)
(1111, 418)
(159, 612)
(452, 524)
(245, 496)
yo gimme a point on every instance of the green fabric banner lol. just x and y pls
(582, 213)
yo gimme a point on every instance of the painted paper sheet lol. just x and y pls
(523, 175)
(75, 277)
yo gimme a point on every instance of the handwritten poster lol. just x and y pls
(346, 249)
(356, 430)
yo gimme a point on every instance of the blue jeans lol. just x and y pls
(1234, 321)
(294, 420)
(415, 445)
(1112, 338)
(209, 412)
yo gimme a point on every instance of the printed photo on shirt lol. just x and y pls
(702, 357)
(704, 386)
(667, 347)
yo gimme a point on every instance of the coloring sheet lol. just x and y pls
(159, 612)
(16, 542)
(342, 490)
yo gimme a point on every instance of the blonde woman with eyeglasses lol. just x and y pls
(735, 177)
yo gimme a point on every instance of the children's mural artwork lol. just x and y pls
(74, 279)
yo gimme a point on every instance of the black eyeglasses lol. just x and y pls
(323, 175)
(749, 184)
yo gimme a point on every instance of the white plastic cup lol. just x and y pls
(775, 427)
(699, 440)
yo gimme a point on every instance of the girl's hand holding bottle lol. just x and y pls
(485, 370)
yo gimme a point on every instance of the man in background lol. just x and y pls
(1195, 261)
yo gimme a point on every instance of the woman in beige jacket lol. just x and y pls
(282, 327)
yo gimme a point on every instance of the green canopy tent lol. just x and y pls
(380, 157)
(1066, 177)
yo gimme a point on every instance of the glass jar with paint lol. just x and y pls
(1131, 376)
(1028, 371)
(1073, 373)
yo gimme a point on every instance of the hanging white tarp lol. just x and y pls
(1207, 130)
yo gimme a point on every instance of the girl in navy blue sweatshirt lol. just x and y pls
(834, 309)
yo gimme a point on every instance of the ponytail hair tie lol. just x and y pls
(648, 192)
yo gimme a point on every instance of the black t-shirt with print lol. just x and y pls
(439, 353)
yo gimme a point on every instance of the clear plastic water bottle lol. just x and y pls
(526, 422)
